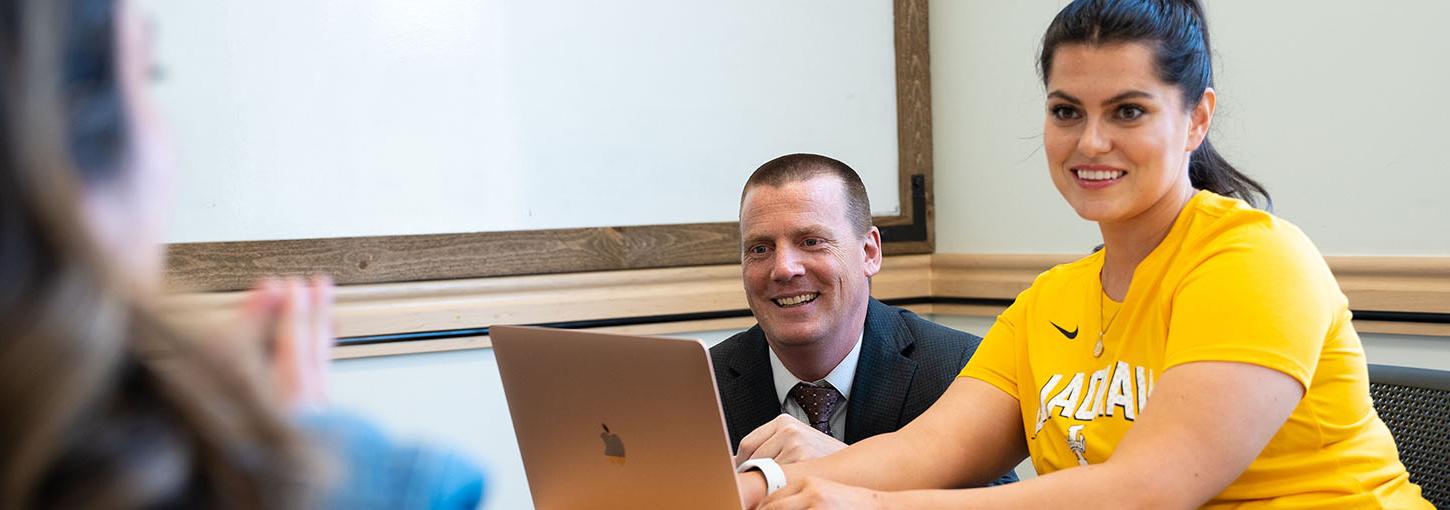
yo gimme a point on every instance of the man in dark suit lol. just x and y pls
(826, 365)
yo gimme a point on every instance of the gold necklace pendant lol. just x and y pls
(1098, 347)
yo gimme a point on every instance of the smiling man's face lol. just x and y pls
(805, 266)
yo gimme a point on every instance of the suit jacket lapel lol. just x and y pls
(750, 387)
(883, 375)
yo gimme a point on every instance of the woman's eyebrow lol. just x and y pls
(1131, 94)
(1064, 96)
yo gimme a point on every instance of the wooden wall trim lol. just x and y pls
(988, 276)
(1400, 284)
(220, 266)
(481, 342)
(473, 303)
(1404, 284)
(913, 112)
(1393, 284)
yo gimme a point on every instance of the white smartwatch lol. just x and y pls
(774, 475)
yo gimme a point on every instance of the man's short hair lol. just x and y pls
(802, 167)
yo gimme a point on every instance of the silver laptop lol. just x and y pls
(615, 421)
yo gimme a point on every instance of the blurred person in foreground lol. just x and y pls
(105, 406)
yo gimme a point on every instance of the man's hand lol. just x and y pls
(786, 440)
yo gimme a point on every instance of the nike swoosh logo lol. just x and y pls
(1069, 334)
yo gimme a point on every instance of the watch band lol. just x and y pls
(774, 475)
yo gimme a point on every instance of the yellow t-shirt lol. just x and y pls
(1228, 283)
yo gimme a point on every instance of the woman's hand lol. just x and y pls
(293, 318)
(752, 488)
(820, 493)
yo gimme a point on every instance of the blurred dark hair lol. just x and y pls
(104, 407)
(801, 167)
(1177, 31)
(96, 132)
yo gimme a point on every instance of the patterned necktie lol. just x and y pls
(818, 402)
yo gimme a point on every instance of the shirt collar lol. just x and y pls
(840, 377)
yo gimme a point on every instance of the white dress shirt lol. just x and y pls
(840, 378)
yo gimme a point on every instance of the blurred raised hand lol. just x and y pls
(292, 318)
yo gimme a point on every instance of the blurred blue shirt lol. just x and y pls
(377, 472)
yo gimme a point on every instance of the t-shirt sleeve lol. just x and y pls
(1262, 295)
(995, 361)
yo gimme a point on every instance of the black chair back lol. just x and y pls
(1415, 404)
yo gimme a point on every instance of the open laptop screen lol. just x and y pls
(615, 421)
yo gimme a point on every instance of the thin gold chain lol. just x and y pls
(1106, 325)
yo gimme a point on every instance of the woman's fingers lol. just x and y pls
(322, 339)
(287, 365)
(290, 319)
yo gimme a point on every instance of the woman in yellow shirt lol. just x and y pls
(1226, 315)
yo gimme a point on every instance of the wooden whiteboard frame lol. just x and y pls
(217, 266)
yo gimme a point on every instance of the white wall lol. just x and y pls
(987, 103)
(448, 399)
(389, 117)
(1332, 104)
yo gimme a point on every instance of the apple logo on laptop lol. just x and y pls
(613, 446)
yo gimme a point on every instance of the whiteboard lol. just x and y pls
(337, 118)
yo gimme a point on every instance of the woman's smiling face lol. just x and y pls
(1118, 139)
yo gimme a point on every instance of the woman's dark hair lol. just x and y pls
(96, 133)
(103, 405)
(1177, 31)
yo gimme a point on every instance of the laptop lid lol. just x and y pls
(615, 421)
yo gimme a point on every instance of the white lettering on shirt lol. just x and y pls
(1067, 399)
(1086, 396)
(1120, 392)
